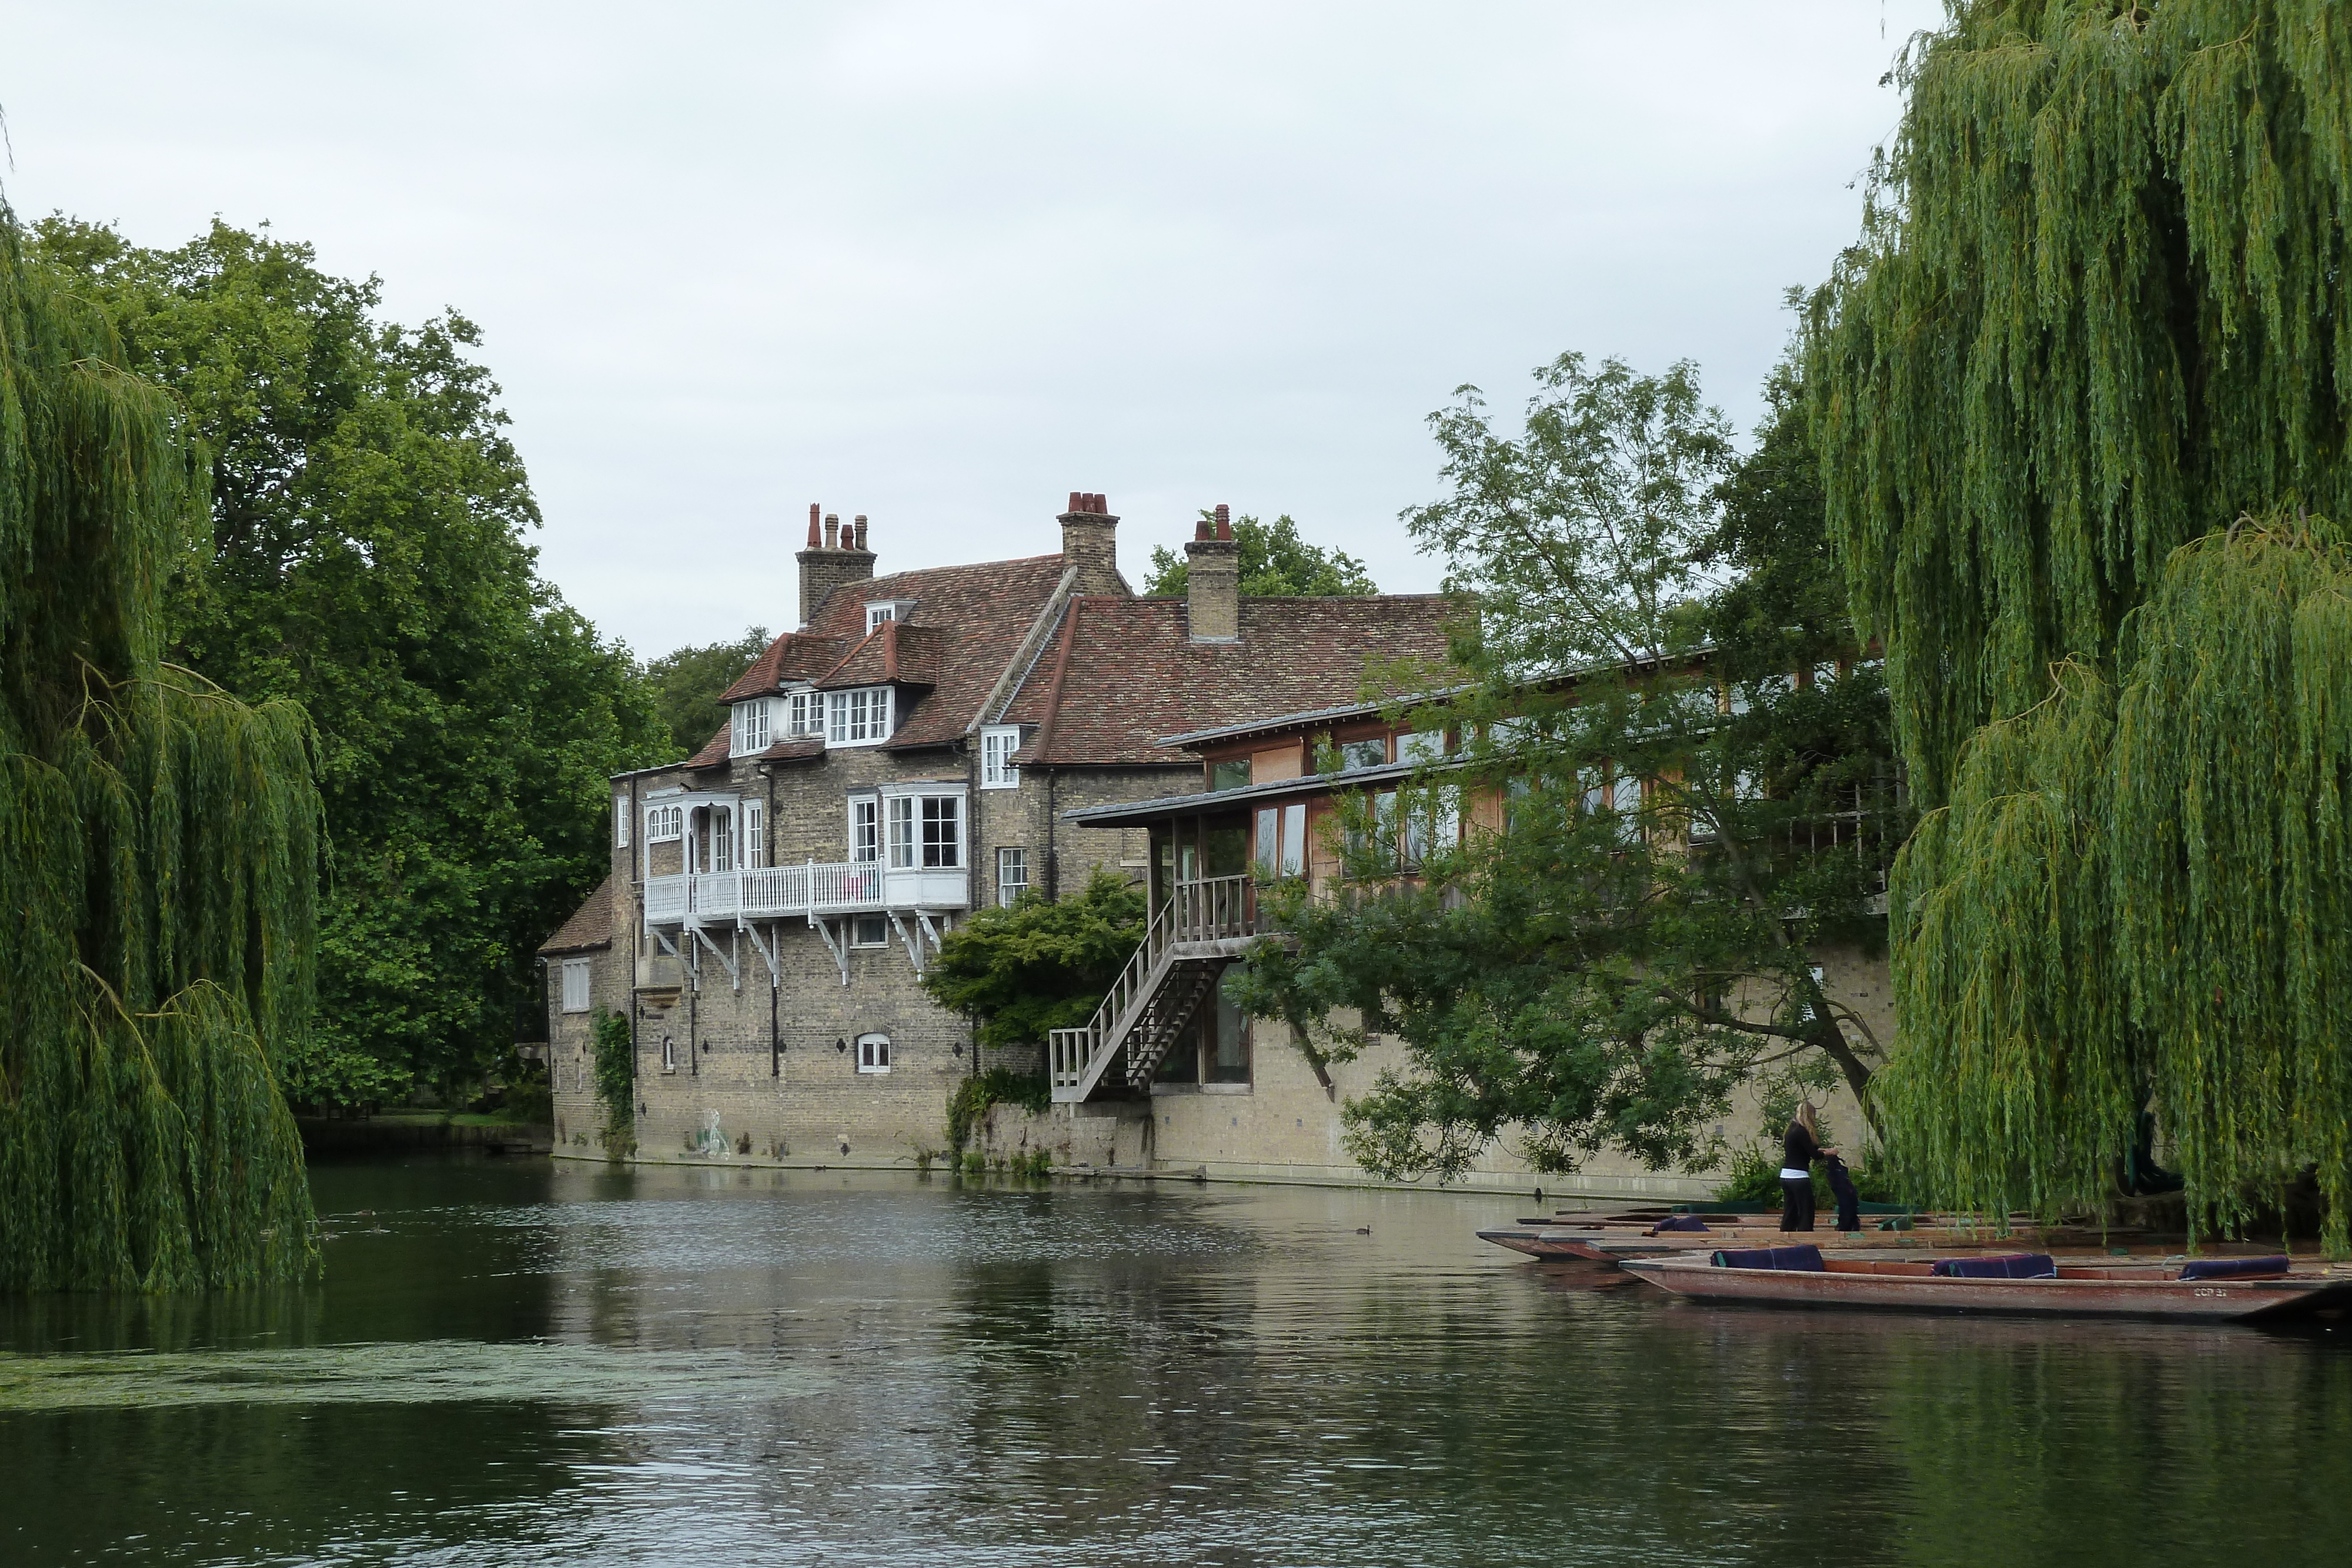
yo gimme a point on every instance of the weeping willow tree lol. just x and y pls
(2099, 310)
(158, 846)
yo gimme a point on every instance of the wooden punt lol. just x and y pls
(1610, 1244)
(2083, 1288)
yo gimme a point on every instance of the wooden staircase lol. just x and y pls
(1203, 927)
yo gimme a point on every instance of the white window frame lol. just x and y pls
(575, 979)
(1010, 858)
(669, 1053)
(665, 825)
(753, 728)
(858, 715)
(872, 1053)
(881, 931)
(802, 714)
(864, 830)
(755, 833)
(878, 611)
(620, 821)
(998, 742)
(899, 830)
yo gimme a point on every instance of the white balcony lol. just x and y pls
(812, 888)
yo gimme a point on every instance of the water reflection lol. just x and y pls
(514, 1363)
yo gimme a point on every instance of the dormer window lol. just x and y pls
(753, 722)
(883, 609)
(860, 716)
(803, 713)
(998, 742)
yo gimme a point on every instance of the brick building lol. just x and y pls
(912, 751)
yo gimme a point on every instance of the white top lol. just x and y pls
(1788, 1175)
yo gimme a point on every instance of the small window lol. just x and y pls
(878, 613)
(902, 832)
(575, 985)
(1625, 799)
(1012, 877)
(665, 823)
(864, 830)
(1424, 746)
(621, 821)
(872, 1053)
(869, 931)
(669, 1054)
(1294, 839)
(1229, 775)
(803, 713)
(997, 744)
(943, 831)
(755, 832)
(1355, 753)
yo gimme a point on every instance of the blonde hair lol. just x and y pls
(1806, 1118)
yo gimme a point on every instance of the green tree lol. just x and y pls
(1641, 935)
(686, 683)
(2098, 313)
(158, 852)
(1038, 966)
(366, 559)
(1275, 562)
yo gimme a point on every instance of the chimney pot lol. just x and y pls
(1224, 521)
(1075, 502)
(1200, 531)
(861, 531)
(832, 531)
(813, 539)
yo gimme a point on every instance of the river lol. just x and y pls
(519, 1362)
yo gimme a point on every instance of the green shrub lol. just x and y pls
(975, 1094)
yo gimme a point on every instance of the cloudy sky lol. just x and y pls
(944, 262)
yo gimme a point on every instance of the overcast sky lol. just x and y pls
(944, 262)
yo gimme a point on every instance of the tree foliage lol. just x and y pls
(1038, 966)
(2099, 310)
(366, 559)
(1275, 563)
(686, 683)
(1601, 968)
(158, 852)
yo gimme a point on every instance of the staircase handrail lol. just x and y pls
(1208, 909)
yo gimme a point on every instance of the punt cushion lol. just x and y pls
(2000, 1266)
(1806, 1259)
(2232, 1268)
(1679, 1222)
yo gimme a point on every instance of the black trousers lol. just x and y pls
(1796, 1203)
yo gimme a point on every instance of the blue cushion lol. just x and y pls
(2000, 1266)
(1679, 1222)
(2232, 1268)
(1806, 1259)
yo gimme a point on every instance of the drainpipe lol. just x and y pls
(1053, 838)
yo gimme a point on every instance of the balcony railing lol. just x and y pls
(811, 888)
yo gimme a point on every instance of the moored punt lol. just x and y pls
(2215, 1290)
(1608, 1244)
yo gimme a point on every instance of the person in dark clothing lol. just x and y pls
(1849, 1200)
(1800, 1147)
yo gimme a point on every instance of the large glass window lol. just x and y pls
(751, 727)
(1355, 753)
(864, 830)
(1229, 775)
(1294, 839)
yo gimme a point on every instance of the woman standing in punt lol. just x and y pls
(1799, 1148)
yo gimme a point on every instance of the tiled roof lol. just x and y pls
(967, 623)
(803, 750)
(793, 656)
(714, 750)
(591, 924)
(1120, 675)
(907, 654)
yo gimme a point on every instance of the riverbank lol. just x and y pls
(342, 1137)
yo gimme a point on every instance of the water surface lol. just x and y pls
(519, 1363)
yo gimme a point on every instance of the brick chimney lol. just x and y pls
(1212, 571)
(1090, 543)
(835, 556)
